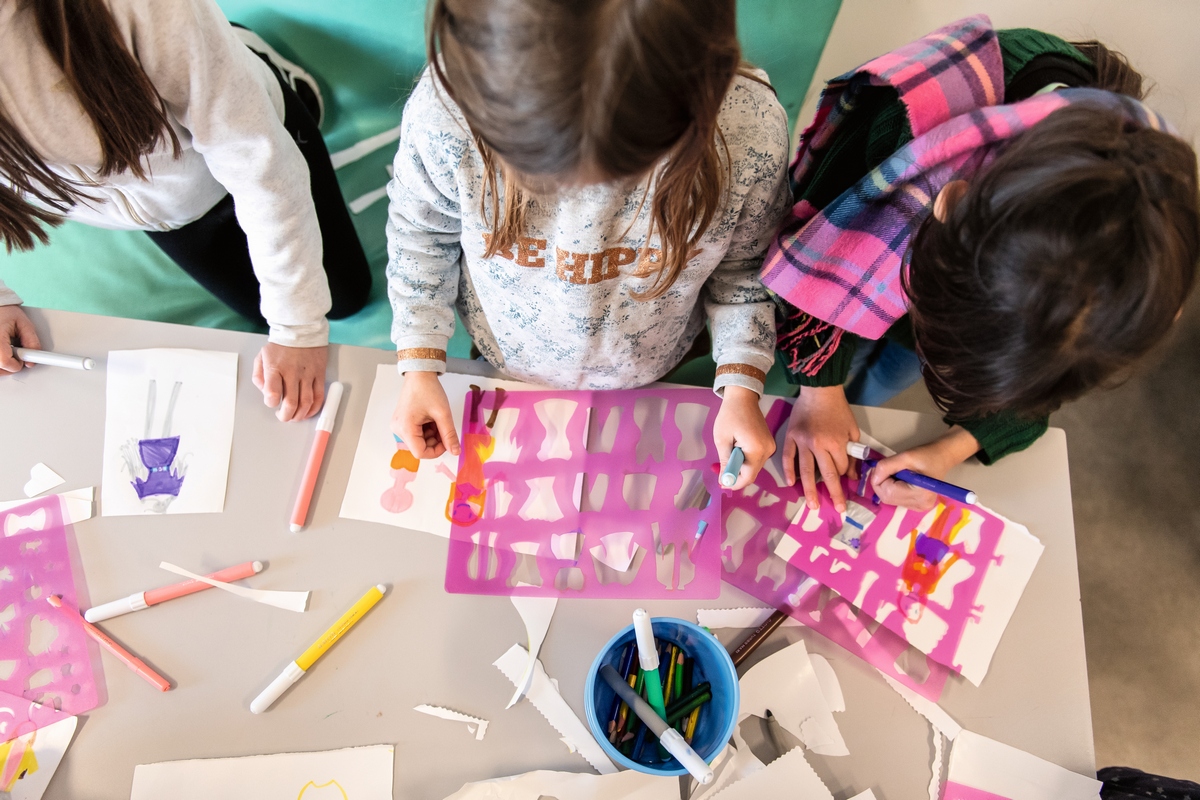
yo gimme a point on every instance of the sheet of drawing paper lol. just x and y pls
(355, 773)
(168, 430)
(984, 769)
(786, 683)
(627, 785)
(586, 494)
(946, 581)
(45, 657)
(387, 483)
(28, 762)
(755, 521)
(78, 507)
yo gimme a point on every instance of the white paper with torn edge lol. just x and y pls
(731, 765)
(787, 776)
(984, 769)
(931, 711)
(626, 785)
(536, 613)
(550, 704)
(787, 684)
(288, 601)
(475, 725)
(42, 479)
(747, 617)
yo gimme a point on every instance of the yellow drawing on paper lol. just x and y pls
(316, 791)
(17, 761)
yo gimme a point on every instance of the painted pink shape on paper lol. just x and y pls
(559, 486)
(43, 658)
(754, 530)
(399, 498)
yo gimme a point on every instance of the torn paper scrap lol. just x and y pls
(550, 704)
(616, 550)
(566, 546)
(787, 776)
(787, 685)
(830, 686)
(931, 711)
(361, 773)
(984, 769)
(749, 617)
(627, 785)
(536, 613)
(42, 479)
(731, 765)
(288, 601)
(28, 762)
(476, 725)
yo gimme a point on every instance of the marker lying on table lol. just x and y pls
(52, 359)
(316, 455)
(643, 629)
(293, 671)
(668, 737)
(733, 466)
(867, 455)
(136, 602)
(129, 659)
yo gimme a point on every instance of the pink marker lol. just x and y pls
(136, 602)
(315, 456)
(127, 658)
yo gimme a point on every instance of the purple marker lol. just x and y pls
(869, 457)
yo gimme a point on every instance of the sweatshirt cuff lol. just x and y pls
(1002, 434)
(738, 374)
(308, 334)
(8, 297)
(425, 353)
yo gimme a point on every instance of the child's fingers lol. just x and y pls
(898, 493)
(808, 479)
(8, 359)
(272, 387)
(789, 460)
(27, 334)
(257, 374)
(318, 400)
(445, 426)
(411, 434)
(833, 480)
(305, 407)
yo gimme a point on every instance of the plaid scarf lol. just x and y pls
(841, 266)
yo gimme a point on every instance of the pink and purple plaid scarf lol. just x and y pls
(841, 266)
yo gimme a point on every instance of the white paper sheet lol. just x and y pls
(288, 601)
(42, 479)
(627, 785)
(159, 395)
(550, 704)
(536, 613)
(49, 744)
(475, 725)
(746, 617)
(421, 497)
(989, 766)
(787, 776)
(355, 773)
(78, 508)
(787, 684)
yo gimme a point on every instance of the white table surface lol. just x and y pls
(421, 645)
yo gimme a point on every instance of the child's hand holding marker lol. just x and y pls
(422, 418)
(740, 423)
(291, 379)
(934, 460)
(820, 425)
(15, 329)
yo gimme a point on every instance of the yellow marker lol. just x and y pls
(301, 665)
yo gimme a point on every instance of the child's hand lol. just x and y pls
(15, 329)
(820, 426)
(740, 422)
(935, 459)
(291, 379)
(422, 418)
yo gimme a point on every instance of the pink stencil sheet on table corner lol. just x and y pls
(586, 494)
(755, 520)
(47, 664)
(946, 581)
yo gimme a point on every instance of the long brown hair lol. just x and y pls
(609, 89)
(129, 116)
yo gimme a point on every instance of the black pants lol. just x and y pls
(214, 252)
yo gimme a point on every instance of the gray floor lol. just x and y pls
(1133, 453)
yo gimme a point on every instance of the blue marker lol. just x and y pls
(869, 457)
(729, 475)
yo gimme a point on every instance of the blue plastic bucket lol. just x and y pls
(711, 663)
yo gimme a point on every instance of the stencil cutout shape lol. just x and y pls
(168, 431)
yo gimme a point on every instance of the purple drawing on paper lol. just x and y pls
(155, 463)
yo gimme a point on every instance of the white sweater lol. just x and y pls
(559, 308)
(226, 107)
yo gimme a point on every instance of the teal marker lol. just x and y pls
(733, 466)
(648, 656)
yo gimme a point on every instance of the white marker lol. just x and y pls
(52, 359)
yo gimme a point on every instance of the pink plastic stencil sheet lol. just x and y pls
(586, 494)
(755, 521)
(947, 581)
(45, 657)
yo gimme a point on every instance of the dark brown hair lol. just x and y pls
(128, 115)
(555, 90)
(1067, 259)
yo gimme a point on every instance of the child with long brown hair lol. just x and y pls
(995, 210)
(592, 184)
(157, 115)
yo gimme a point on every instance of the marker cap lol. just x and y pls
(676, 745)
(126, 605)
(333, 398)
(290, 675)
(858, 450)
(643, 629)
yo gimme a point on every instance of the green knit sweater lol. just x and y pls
(872, 132)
